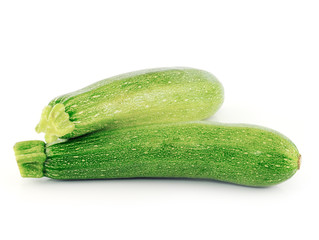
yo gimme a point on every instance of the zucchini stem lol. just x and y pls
(54, 122)
(299, 161)
(30, 157)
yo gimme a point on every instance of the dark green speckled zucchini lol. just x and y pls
(241, 154)
(144, 97)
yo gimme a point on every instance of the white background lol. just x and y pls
(266, 55)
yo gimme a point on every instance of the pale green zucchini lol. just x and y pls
(241, 154)
(145, 97)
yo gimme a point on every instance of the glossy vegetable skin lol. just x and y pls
(241, 154)
(150, 96)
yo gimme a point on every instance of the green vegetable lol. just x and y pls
(241, 154)
(145, 97)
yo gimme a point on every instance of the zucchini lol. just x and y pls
(144, 97)
(241, 154)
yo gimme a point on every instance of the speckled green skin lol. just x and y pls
(144, 97)
(241, 154)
